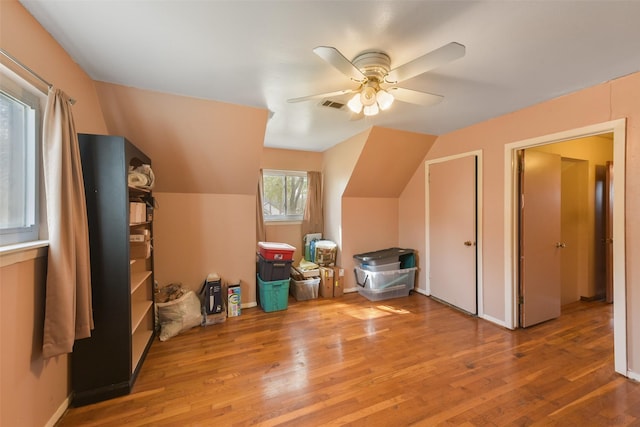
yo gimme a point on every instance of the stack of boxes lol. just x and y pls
(331, 281)
(385, 274)
(325, 281)
(277, 277)
(274, 269)
(324, 254)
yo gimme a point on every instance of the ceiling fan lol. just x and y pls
(377, 81)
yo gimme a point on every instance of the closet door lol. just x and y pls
(540, 237)
(452, 232)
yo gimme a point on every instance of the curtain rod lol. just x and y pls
(29, 70)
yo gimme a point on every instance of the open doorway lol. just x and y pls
(562, 225)
(617, 128)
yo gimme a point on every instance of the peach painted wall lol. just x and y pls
(370, 201)
(206, 158)
(337, 166)
(25, 375)
(276, 158)
(197, 234)
(24, 38)
(411, 222)
(32, 390)
(601, 103)
(368, 224)
(573, 111)
(196, 145)
(625, 93)
(387, 162)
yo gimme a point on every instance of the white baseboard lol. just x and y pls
(483, 316)
(633, 375)
(59, 413)
(350, 290)
(249, 305)
(494, 320)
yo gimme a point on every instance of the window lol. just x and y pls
(19, 161)
(284, 195)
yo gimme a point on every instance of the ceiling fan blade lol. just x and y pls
(426, 62)
(414, 97)
(342, 64)
(322, 95)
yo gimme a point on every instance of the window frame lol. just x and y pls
(286, 173)
(13, 86)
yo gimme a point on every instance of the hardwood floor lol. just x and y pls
(407, 361)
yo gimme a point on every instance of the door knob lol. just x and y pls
(561, 245)
(468, 243)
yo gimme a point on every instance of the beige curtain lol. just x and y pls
(68, 314)
(313, 219)
(261, 234)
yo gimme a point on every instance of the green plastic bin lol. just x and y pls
(274, 295)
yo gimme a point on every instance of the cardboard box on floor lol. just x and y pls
(338, 281)
(331, 282)
(325, 290)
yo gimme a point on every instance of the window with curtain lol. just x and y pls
(284, 195)
(20, 129)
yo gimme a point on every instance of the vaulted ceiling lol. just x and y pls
(259, 54)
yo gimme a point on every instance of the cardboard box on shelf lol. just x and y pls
(137, 212)
(139, 250)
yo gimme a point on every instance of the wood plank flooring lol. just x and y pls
(400, 362)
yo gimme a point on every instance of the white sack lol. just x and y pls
(179, 315)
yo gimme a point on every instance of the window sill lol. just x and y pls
(283, 222)
(20, 252)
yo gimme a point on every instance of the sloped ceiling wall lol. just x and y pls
(196, 145)
(387, 162)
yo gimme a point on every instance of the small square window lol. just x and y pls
(284, 195)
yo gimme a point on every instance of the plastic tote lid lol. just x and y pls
(276, 246)
(384, 253)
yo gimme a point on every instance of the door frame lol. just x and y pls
(618, 128)
(427, 260)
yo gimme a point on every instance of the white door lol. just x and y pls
(540, 237)
(452, 232)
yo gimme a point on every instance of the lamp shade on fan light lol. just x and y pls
(371, 99)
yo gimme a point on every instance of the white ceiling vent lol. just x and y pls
(332, 104)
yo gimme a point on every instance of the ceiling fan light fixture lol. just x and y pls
(368, 96)
(371, 110)
(385, 99)
(354, 103)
